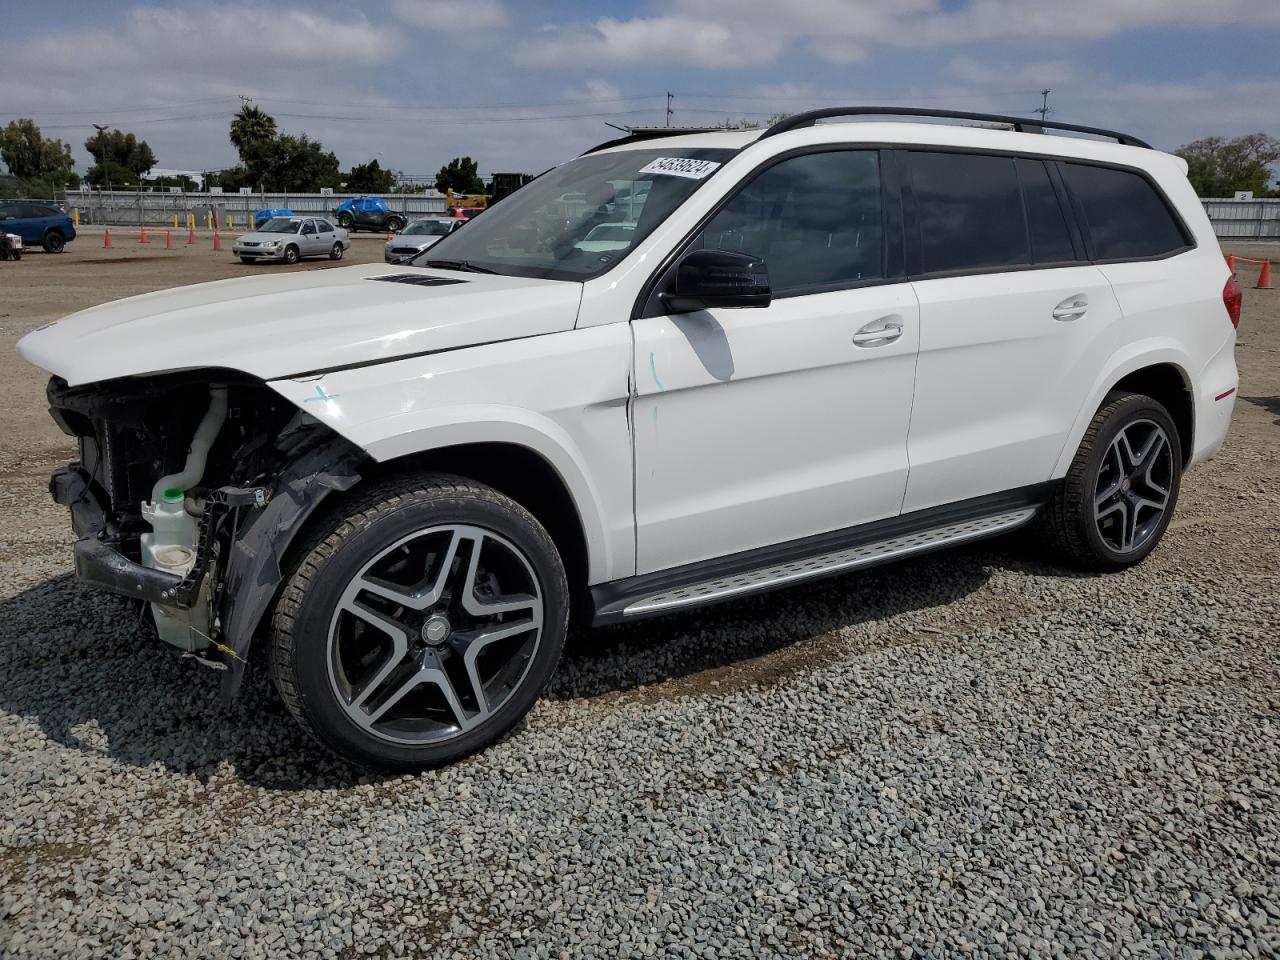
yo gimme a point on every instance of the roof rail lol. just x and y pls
(1020, 124)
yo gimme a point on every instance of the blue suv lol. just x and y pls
(37, 222)
(367, 213)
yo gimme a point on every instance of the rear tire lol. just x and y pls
(420, 623)
(337, 252)
(1118, 496)
(54, 242)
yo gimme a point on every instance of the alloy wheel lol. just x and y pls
(1134, 482)
(434, 634)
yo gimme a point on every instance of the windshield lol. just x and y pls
(280, 225)
(576, 221)
(427, 228)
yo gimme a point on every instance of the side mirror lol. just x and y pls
(719, 278)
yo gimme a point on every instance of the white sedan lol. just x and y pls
(289, 239)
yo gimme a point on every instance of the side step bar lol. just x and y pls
(825, 555)
(797, 571)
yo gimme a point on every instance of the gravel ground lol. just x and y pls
(969, 753)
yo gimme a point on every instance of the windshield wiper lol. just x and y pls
(464, 265)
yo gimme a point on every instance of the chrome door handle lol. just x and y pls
(878, 332)
(1072, 308)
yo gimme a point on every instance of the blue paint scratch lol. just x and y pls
(321, 395)
(653, 368)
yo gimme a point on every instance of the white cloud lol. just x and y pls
(595, 89)
(646, 40)
(455, 16)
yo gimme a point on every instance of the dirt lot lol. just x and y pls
(974, 752)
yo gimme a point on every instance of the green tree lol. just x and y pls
(120, 158)
(461, 175)
(1218, 167)
(370, 178)
(44, 166)
(294, 164)
(251, 130)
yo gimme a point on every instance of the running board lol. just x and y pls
(663, 597)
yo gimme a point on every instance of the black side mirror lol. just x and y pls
(719, 278)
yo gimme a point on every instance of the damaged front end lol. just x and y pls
(188, 490)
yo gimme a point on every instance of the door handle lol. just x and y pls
(1072, 308)
(877, 333)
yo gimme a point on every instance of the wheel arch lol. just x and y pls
(1157, 369)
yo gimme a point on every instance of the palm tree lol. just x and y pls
(252, 125)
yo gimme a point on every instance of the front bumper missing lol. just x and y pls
(97, 562)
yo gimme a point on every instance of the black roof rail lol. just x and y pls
(1020, 124)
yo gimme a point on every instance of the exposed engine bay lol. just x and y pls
(186, 494)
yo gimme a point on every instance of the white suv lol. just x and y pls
(816, 348)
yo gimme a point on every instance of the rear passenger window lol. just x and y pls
(968, 211)
(815, 219)
(1126, 218)
(1050, 236)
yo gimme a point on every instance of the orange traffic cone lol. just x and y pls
(168, 239)
(191, 234)
(1231, 264)
(142, 235)
(217, 239)
(106, 239)
(1264, 278)
(388, 235)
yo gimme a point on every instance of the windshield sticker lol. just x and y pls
(680, 167)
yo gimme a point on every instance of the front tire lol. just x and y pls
(344, 221)
(54, 242)
(395, 224)
(421, 624)
(291, 254)
(1118, 496)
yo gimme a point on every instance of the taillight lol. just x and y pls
(1233, 299)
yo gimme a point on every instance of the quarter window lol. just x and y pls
(1050, 236)
(1126, 218)
(816, 219)
(968, 212)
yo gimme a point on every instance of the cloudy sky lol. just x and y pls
(521, 86)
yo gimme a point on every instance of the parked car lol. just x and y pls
(270, 213)
(367, 213)
(290, 239)
(607, 236)
(37, 223)
(10, 246)
(418, 236)
(825, 346)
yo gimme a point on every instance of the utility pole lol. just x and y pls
(669, 97)
(1044, 109)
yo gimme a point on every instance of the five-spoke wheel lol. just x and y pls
(422, 625)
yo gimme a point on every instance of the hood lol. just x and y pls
(260, 237)
(415, 240)
(282, 325)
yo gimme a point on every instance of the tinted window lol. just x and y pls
(815, 219)
(324, 226)
(968, 212)
(309, 227)
(34, 210)
(1126, 218)
(1050, 236)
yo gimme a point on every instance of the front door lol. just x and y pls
(757, 426)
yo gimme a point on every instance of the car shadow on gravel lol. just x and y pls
(89, 673)
(1269, 404)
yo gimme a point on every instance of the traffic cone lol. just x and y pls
(217, 239)
(191, 233)
(168, 239)
(142, 235)
(106, 239)
(1231, 264)
(1264, 278)
(388, 236)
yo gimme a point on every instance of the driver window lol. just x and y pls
(815, 219)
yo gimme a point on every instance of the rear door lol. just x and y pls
(757, 426)
(1013, 320)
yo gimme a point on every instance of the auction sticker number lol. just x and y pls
(680, 167)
